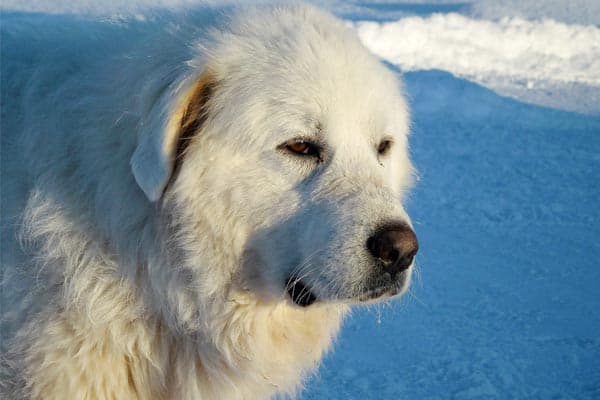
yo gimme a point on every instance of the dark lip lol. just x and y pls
(379, 292)
(300, 294)
(303, 296)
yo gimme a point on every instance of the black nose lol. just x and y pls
(395, 246)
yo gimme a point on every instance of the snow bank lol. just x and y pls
(479, 50)
(544, 62)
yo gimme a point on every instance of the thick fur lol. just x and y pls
(151, 215)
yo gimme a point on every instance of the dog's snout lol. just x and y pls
(396, 246)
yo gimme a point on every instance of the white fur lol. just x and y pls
(122, 280)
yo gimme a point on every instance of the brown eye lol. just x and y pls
(384, 147)
(303, 148)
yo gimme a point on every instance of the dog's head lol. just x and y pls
(284, 164)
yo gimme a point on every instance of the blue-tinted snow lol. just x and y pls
(507, 302)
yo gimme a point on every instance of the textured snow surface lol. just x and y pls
(494, 53)
(506, 300)
(569, 11)
(513, 47)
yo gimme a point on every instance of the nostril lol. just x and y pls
(393, 256)
(405, 261)
(371, 245)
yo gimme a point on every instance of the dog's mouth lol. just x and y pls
(378, 293)
(384, 290)
(300, 294)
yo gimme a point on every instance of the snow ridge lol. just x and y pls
(511, 48)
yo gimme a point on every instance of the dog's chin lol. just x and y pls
(381, 293)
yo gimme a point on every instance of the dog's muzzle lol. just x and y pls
(393, 248)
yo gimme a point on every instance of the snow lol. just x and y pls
(585, 12)
(509, 55)
(507, 208)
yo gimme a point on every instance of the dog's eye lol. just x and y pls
(384, 147)
(303, 148)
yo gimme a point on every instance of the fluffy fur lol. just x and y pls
(152, 216)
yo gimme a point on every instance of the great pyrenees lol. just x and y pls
(192, 201)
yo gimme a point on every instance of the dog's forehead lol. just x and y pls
(339, 100)
(308, 71)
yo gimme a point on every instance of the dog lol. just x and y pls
(191, 202)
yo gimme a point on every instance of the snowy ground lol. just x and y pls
(506, 303)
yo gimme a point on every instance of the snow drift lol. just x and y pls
(478, 49)
(513, 56)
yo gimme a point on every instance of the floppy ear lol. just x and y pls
(172, 126)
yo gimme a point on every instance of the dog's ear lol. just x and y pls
(159, 153)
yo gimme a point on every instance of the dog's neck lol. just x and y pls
(268, 347)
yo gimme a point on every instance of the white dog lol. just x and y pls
(187, 213)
